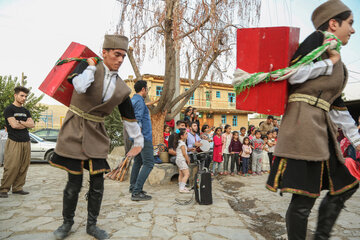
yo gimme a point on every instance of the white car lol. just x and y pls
(41, 150)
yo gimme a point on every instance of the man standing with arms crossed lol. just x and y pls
(17, 149)
(83, 142)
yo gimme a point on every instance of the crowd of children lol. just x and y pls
(242, 153)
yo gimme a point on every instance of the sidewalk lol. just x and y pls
(242, 209)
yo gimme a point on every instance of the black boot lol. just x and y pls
(71, 194)
(94, 203)
(297, 216)
(329, 211)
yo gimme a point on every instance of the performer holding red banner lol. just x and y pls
(83, 142)
(308, 157)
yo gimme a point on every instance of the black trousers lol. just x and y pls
(300, 208)
(235, 162)
(94, 197)
(96, 181)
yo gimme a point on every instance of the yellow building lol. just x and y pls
(53, 117)
(214, 101)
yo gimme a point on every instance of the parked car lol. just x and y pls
(41, 150)
(48, 134)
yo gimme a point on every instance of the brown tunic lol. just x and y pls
(84, 139)
(305, 129)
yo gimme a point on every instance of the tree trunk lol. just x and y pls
(157, 122)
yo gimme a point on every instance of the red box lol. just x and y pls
(257, 48)
(55, 84)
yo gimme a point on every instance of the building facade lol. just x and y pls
(215, 102)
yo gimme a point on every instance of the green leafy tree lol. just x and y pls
(7, 85)
(114, 129)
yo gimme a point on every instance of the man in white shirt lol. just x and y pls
(83, 142)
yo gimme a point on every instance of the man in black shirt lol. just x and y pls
(17, 148)
(172, 152)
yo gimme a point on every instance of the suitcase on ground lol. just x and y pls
(202, 188)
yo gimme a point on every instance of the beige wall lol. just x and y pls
(256, 121)
(242, 121)
(57, 112)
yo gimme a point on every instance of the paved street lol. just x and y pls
(242, 209)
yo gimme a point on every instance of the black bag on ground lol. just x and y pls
(202, 188)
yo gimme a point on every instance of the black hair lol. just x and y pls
(242, 128)
(178, 122)
(246, 138)
(203, 128)
(257, 131)
(187, 110)
(270, 117)
(216, 129)
(182, 131)
(268, 132)
(251, 127)
(339, 18)
(21, 89)
(140, 84)
(263, 137)
(235, 133)
(191, 123)
(226, 127)
(166, 126)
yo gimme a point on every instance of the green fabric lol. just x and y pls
(66, 60)
(281, 74)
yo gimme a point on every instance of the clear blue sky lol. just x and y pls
(35, 33)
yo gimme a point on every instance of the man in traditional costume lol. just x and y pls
(83, 142)
(308, 157)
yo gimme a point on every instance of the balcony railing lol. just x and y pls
(202, 103)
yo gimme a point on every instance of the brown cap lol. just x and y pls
(326, 11)
(116, 42)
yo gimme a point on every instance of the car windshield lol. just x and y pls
(37, 138)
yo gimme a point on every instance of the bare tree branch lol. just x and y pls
(196, 83)
(189, 69)
(138, 37)
(133, 63)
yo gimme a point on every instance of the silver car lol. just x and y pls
(41, 150)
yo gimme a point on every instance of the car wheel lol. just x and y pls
(49, 155)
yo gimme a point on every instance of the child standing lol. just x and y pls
(258, 145)
(245, 156)
(166, 135)
(271, 144)
(226, 140)
(217, 151)
(251, 132)
(242, 134)
(182, 160)
(235, 148)
(265, 158)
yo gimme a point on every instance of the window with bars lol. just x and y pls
(223, 119)
(218, 94)
(231, 99)
(191, 100)
(159, 90)
(235, 121)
